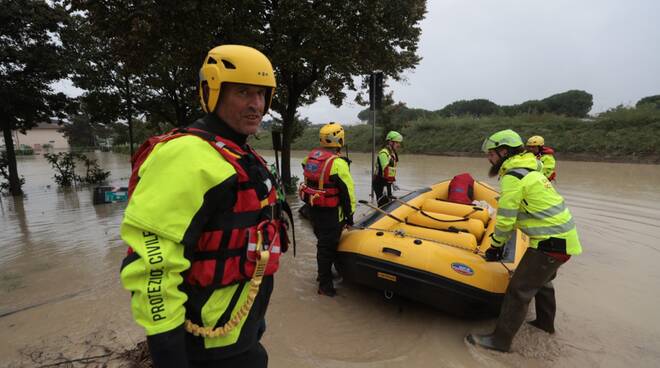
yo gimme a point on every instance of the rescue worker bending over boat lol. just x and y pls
(529, 202)
(545, 154)
(329, 191)
(204, 225)
(385, 170)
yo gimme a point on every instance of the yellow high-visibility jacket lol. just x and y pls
(183, 183)
(528, 201)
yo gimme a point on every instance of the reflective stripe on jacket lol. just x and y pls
(529, 202)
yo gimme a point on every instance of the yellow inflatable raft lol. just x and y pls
(426, 248)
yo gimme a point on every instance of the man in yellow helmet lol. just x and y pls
(329, 191)
(204, 224)
(545, 154)
(529, 202)
(385, 170)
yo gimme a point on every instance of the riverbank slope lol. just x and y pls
(620, 135)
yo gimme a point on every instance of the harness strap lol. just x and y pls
(242, 313)
(325, 165)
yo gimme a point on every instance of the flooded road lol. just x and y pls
(60, 296)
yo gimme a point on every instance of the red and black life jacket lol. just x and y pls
(318, 189)
(461, 189)
(227, 254)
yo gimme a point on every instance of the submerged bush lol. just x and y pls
(65, 175)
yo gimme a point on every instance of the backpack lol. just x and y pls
(461, 189)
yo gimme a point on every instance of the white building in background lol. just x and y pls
(39, 138)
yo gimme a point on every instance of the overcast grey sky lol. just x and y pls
(510, 51)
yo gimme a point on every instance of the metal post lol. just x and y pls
(372, 92)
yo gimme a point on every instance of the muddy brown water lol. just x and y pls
(61, 300)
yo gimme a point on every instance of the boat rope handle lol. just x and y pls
(402, 234)
(255, 283)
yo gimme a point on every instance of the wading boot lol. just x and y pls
(492, 342)
(327, 291)
(545, 308)
(336, 277)
(533, 275)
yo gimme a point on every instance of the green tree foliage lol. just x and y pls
(364, 115)
(652, 100)
(476, 107)
(398, 116)
(81, 132)
(318, 47)
(404, 113)
(141, 58)
(149, 53)
(534, 107)
(142, 130)
(31, 59)
(299, 126)
(574, 103)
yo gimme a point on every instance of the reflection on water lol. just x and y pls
(55, 246)
(53, 242)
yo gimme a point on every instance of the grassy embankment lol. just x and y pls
(620, 135)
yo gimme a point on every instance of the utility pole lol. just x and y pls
(375, 102)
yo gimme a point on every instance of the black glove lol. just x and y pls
(168, 349)
(494, 253)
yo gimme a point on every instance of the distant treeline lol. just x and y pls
(573, 103)
(620, 134)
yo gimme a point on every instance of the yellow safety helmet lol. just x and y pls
(536, 140)
(331, 135)
(234, 64)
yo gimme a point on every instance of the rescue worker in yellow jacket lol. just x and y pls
(204, 225)
(529, 202)
(329, 191)
(545, 154)
(385, 170)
